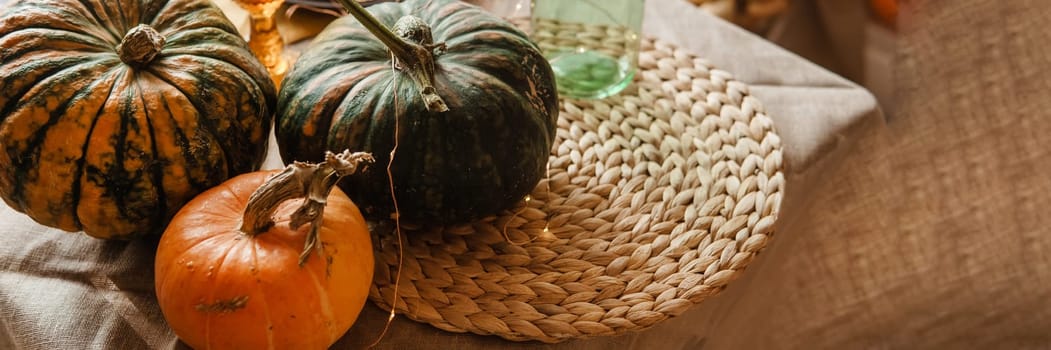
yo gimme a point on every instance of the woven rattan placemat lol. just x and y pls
(655, 200)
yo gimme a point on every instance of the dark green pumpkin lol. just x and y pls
(481, 156)
(110, 127)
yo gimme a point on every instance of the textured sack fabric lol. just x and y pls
(934, 234)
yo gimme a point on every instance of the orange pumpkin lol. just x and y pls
(249, 265)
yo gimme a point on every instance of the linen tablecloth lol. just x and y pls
(63, 290)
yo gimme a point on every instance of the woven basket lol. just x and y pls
(655, 200)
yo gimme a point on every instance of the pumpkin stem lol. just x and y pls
(313, 182)
(412, 46)
(140, 45)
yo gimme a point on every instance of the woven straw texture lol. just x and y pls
(655, 199)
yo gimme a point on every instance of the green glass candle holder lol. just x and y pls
(593, 46)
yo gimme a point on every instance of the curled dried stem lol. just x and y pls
(310, 181)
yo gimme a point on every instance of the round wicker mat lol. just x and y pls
(655, 200)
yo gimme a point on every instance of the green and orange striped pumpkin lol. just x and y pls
(113, 114)
(481, 156)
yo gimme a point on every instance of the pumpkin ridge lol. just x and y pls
(160, 213)
(519, 176)
(190, 246)
(78, 168)
(56, 68)
(507, 35)
(252, 100)
(180, 136)
(149, 14)
(105, 210)
(365, 106)
(28, 39)
(208, 131)
(497, 40)
(182, 42)
(258, 92)
(57, 77)
(203, 14)
(448, 10)
(348, 87)
(200, 176)
(79, 172)
(478, 74)
(262, 296)
(217, 275)
(117, 21)
(324, 301)
(57, 13)
(26, 158)
(342, 35)
(473, 71)
(241, 134)
(114, 37)
(502, 170)
(362, 105)
(451, 28)
(116, 189)
(207, 126)
(416, 133)
(105, 17)
(459, 54)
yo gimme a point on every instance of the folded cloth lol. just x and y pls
(61, 290)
